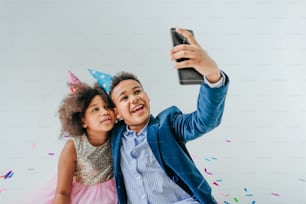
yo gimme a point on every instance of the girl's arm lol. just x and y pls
(66, 167)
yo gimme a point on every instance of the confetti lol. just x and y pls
(51, 153)
(236, 199)
(303, 180)
(207, 171)
(275, 194)
(227, 141)
(209, 159)
(8, 174)
(223, 194)
(253, 202)
(215, 183)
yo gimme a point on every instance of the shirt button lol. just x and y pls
(143, 197)
(174, 178)
(139, 177)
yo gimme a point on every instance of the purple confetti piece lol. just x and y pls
(207, 171)
(275, 194)
(7, 175)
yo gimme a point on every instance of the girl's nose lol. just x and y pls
(104, 112)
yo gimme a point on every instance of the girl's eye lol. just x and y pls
(137, 91)
(95, 109)
(107, 107)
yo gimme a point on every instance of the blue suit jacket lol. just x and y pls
(167, 135)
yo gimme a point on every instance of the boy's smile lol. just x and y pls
(132, 104)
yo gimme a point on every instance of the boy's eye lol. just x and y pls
(124, 98)
(138, 91)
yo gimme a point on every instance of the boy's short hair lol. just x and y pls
(121, 76)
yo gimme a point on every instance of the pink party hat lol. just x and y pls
(73, 81)
(103, 79)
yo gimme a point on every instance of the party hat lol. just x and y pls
(73, 81)
(103, 79)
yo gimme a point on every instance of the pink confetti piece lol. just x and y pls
(275, 194)
(2, 189)
(227, 141)
(224, 195)
(207, 171)
(215, 183)
(51, 153)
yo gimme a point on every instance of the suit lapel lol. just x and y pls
(153, 140)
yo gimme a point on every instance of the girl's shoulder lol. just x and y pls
(68, 151)
(77, 140)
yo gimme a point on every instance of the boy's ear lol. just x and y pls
(148, 96)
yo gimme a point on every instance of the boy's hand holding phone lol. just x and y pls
(194, 57)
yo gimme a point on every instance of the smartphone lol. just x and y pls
(186, 75)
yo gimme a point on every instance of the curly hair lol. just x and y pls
(121, 76)
(73, 107)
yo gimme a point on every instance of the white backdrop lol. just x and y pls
(257, 154)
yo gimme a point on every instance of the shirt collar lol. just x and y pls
(132, 133)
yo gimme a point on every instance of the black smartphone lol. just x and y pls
(186, 75)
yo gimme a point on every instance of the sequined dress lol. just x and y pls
(93, 181)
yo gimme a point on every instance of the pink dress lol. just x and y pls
(93, 181)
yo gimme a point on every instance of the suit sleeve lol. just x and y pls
(210, 108)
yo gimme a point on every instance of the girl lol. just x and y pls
(85, 171)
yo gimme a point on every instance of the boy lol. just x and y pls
(151, 162)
